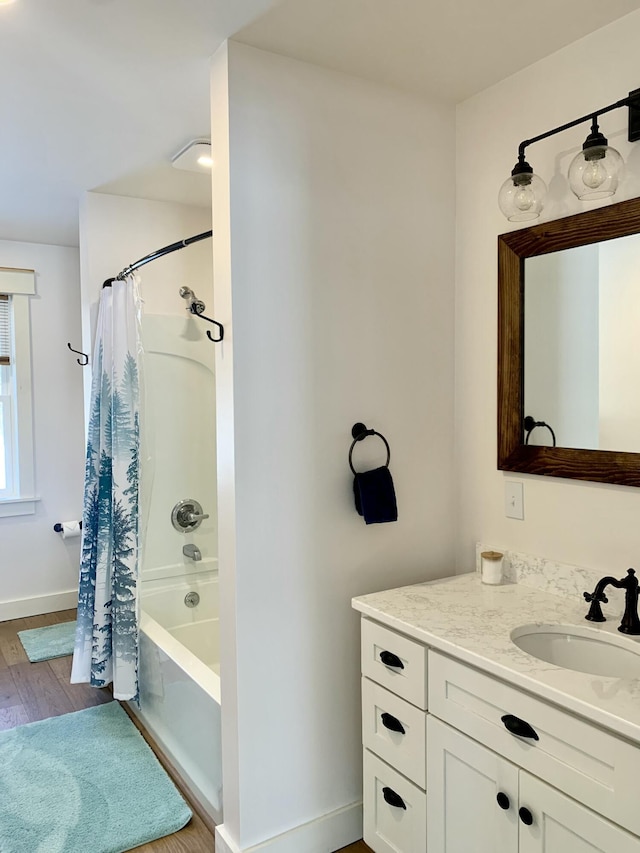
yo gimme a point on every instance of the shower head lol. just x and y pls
(195, 305)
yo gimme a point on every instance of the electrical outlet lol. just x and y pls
(514, 499)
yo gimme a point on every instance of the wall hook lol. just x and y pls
(83, 354)
(197, 313)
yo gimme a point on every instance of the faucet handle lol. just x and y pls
(595, 611)
(595, 596)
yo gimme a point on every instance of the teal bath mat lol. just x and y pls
(54, 641)
(83, 783)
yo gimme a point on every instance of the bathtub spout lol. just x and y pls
(193, 552)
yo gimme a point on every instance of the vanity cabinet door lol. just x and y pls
(472, 795)
(561, 825)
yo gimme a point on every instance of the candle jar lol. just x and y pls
(491, 567)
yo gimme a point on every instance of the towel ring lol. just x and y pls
(360, 432)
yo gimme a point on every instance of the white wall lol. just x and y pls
(590, 524)
(333, 260)
(179, 411)
(117, 230)
(38, 570)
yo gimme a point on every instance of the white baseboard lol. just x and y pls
(224, 844)
(326, 834)
(38, 604)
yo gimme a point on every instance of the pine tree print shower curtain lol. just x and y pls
(106, 643)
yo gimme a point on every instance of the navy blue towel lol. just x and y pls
(375, 496)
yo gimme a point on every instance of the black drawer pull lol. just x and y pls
(503, 800)
(392, 723)
(519, 727)
(389, 659)
(525, 816)
(393, 799)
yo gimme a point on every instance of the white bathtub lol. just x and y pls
(180, 682)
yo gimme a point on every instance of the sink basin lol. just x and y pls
(580, 648)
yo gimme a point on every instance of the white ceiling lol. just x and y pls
(98, 94)
(449, 49)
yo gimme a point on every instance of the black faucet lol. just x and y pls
(630, 623)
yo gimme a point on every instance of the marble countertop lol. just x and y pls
(472, 622)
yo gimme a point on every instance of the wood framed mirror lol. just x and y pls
(602, 459)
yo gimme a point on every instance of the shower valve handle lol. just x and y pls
(191, 517)
(187, 515)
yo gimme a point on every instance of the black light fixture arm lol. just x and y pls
(632, 101)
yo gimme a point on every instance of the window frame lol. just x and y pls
(19, 285)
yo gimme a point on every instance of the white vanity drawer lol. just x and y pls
(394, 730)
(405, 670)
(395, 810)
(586, 762)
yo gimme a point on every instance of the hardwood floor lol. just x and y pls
(35, 691)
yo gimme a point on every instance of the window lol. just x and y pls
(17, 488)
(7, 430)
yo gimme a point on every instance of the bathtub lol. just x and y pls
(179, 681)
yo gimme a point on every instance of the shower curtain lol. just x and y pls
(106, 642)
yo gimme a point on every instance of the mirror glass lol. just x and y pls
(582, 346)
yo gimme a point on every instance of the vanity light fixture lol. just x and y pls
(595, 172)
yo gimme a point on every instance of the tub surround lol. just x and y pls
(472, 622)
(180, 683)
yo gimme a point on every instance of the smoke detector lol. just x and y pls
(195, 156)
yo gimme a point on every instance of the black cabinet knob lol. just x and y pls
(519, 727)
(392, 723)
(393, 799)
(503, 800)
(525, 816)
(389, 659)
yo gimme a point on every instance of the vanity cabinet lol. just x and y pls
(477, 801)
(447, 770)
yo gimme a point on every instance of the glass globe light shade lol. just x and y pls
(521, 197)
(595, 172)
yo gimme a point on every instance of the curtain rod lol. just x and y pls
(159, 253)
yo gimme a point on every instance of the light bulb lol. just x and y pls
(522, 196)
(594, 174)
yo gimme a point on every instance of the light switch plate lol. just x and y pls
(514, 499)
